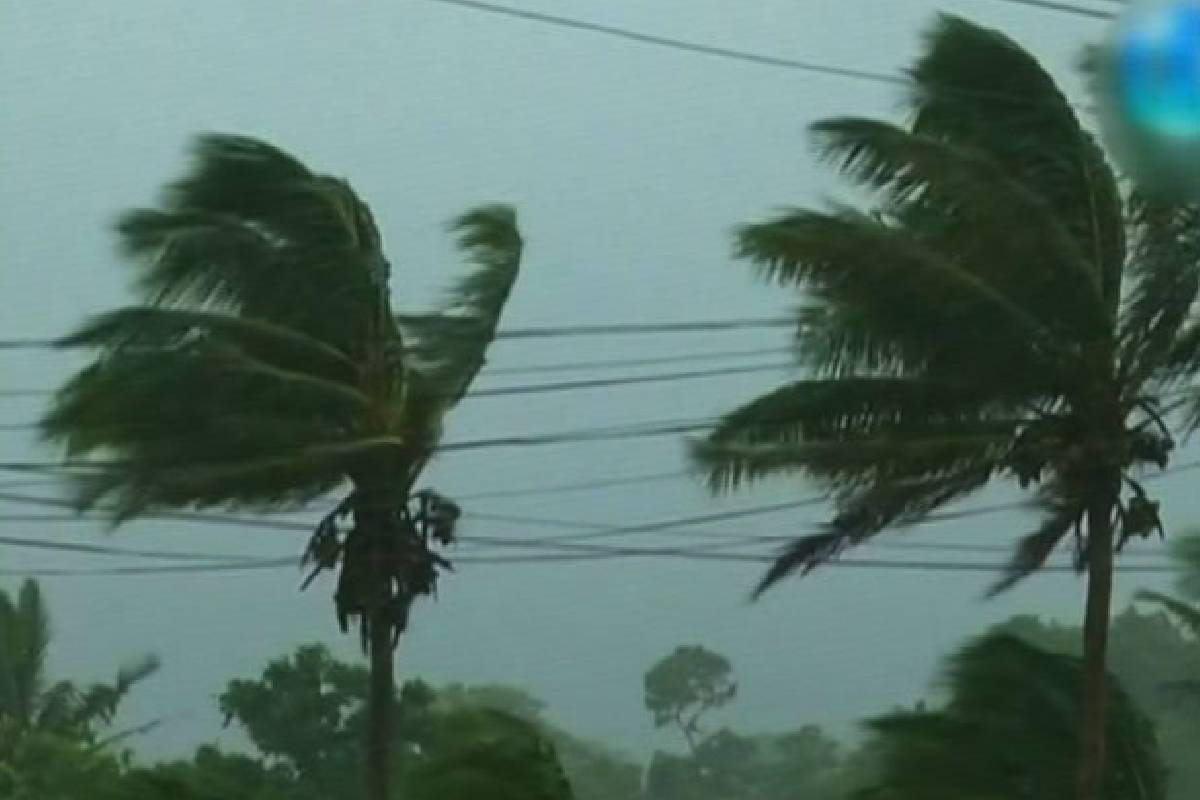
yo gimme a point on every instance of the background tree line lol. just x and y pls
(1002, 717)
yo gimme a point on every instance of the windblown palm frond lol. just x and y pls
(1185, 552)
(979, 89)
(966, 326)
(98, 704)
(1008, 729)
(27, 703)
(451, 345)
(24, 641)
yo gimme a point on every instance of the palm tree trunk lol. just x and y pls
(379, 706)
(1092, 733)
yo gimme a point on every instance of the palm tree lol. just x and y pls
(27, 703)
(1002, 310)
(1005, 730)
(265, 368)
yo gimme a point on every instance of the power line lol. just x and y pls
(566, 386)
(675, 44)
(609, 554)
(103, 550)
(1066, 8)
(579, 366)
(558, 331)
(744, 56)
(581, 486)
(186, 516)
(565, 366)
(569, 436)
(592, 531)
(597, 383)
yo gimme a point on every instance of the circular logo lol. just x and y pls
(1149, 87)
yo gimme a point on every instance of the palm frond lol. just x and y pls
(1165, 269)
(1186, 614)
(249, 227)
(852, 461)
(165, 477)
(1033, 549)
(865, 511)
(907, 298)
(849, 407)
(24, 641)
(98, 704)
(980, 90)
(158, 327)
(450, 346)
(968, 205)
(33, 633)
(1185, 554)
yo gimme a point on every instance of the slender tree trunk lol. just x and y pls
(1092, 732)
(379, 707)
(372, 516)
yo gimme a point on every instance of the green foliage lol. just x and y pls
(1009, 728)
(1153, 659)
(305, 716)
(482, 752)
(685, 685)
(265, 366)
(29, 703)
(49, 766)
(213, 775)
(1186, 554)
(997, 311)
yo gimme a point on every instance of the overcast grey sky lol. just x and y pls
(628, 165)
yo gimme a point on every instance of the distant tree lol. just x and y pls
(265, 368)
(305, 714)
(1008, 729)
(29, 702)
(595, 772)
(1000, 309)
(684, 686)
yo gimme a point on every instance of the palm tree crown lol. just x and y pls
(1001, 310)
(265, 367)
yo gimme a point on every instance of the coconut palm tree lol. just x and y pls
(1001, 310)
(28, 702)
(265, 368)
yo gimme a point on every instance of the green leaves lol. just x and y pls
(450, 346)
(886, 286)
(968, 323)
(978, 89)
(1009, 729)
(686, 684)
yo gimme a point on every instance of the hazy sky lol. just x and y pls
(628, 164)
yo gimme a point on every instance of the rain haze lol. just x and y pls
(629, 165)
